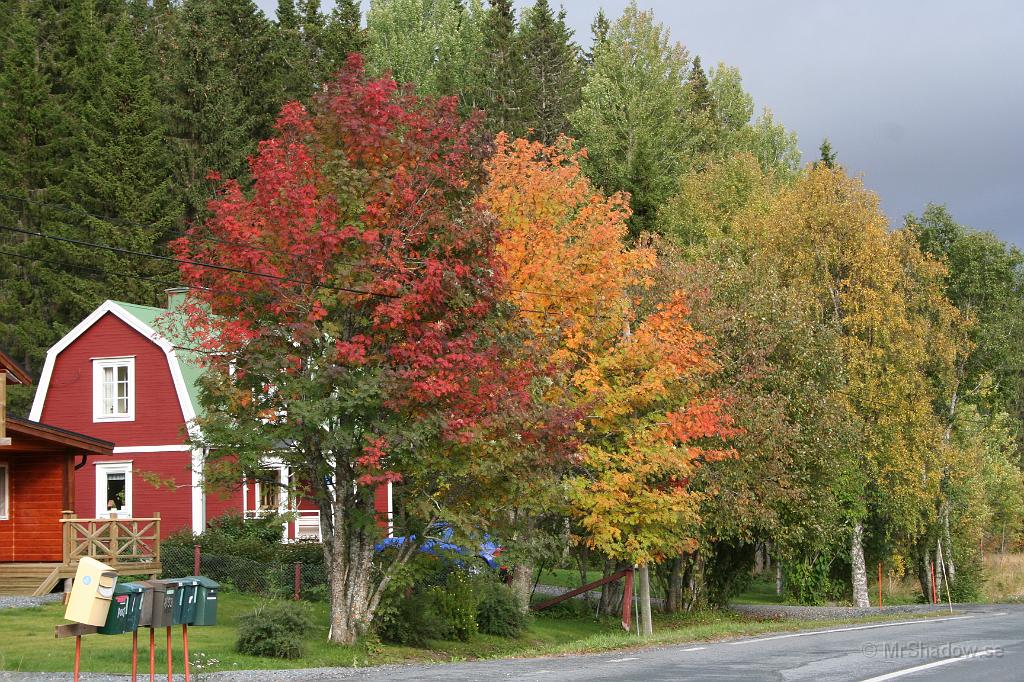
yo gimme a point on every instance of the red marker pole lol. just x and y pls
(78, 655)
(184, 640)
(135, 655)
(152, 655)
(935, 589)
(879, 584)
(170, 675)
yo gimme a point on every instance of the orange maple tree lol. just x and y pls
(637, 368)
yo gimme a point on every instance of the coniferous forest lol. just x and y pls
(710, 350)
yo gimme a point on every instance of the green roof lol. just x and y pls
(170, 327)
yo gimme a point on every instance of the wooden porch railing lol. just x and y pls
(114, 541)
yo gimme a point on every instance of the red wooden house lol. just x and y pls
(118, 376)
(37, 463)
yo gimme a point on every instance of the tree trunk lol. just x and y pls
(694, 582)
(759, 558)
(859, 572)
(948, 540)
(674, 596)
(356, 586)
(924, 574)
(522, 584)
(645, 601)
(583, 562)
(939, 576)
(611, 593)
(778, 578)
(348, 553)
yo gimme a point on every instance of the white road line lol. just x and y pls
(926, 666)
(623, 660)
(695, 648)
(922, 621)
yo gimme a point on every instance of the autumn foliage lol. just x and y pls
(634, 365)
(347, 311)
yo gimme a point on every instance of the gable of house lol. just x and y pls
(162, 388)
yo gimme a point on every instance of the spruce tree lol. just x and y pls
(702, 122)
(598, 34)
(40, 290)
(827, 155)
(338, 36)
(633, 119)
(499, 73)
(122, 178)
(227, 83)
(551, 90)
(699, 99)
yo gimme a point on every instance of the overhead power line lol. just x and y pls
(81, 212)
(186, 261)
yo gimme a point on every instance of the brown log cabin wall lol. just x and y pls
(37, 494)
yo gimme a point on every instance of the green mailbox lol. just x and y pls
(185, 602)
(206, 600)
(159, 601)
(125, 609)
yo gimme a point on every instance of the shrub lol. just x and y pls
(455, 605)
(970, 578)
(275, 630)
(810, 582)
(409, 621)
(499, 612)
(727, 571)
(435, 608)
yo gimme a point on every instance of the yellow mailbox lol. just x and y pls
(91, 593)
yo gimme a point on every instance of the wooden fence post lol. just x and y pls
(298, 580)
(196, 557)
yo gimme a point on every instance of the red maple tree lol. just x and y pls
(344, 303)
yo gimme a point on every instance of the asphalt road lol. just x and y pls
(984, 643)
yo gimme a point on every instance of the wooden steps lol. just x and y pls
(28, 579)
(37, 579)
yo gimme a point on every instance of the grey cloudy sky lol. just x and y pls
(923, 97)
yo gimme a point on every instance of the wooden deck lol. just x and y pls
(128, 545)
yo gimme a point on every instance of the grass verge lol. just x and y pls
(27, 643)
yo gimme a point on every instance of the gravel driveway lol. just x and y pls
(23, 602)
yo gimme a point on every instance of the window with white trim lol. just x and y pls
(114, 489)
(270, 488)
(4, 492)
(113, 390)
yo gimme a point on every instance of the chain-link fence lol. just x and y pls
(302, 580)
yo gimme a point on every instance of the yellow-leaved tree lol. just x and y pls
(895, 331)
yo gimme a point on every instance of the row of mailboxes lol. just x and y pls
(97, 599)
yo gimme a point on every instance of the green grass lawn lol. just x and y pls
(759, 592)
(28, 643)
(565, 577)
(762, 591)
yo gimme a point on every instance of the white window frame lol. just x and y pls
(100, 364)
(282, 480)
(102, 470)
(5, 503)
